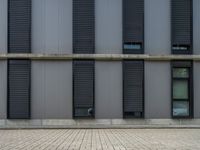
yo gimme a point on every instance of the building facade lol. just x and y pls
(155, 75)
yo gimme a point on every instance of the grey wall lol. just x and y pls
(3, 89)
(108, 75)
(108, 90)
(3, 64)
(52, 81)
(108, 26)
(52, 26)
(3, 26)
(51, 90)
(157, 27)
(196, 26)
(157, 90)
(196, 89)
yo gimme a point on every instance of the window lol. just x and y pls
(181, 26)
(133, 89)
(133, 46)
(83, 88)
(182, 89)
(133, 26)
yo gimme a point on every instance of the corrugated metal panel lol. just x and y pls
(133, 23)
(19, 28)
(83, 87)
(133, 78)
(181, 13)
(83, 26)
(19, 89)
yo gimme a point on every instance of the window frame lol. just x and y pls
(189, 66)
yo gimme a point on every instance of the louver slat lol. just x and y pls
(83, 26)
(19, 28)
(19, 89)
(133, 25)
(181, 16)
(83, 84)
(133, 74)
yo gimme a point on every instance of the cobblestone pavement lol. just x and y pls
(98, 139)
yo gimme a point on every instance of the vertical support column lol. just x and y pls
(19, 71)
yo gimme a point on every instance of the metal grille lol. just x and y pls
(19, 72)
(133, 24)
(181, 24)
(19, 26)
(83, 26)
(133, 74)
(83, 84)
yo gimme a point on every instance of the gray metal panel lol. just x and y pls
(51, 90)
(83, 86)
(157, 90)
(83, 26)
(108, 90)
(196, 26)
(19, 28)
(133, 23)
(52, 26)
(133, 88)
(3, 26)
(181, 15)
(19, 89)
(157, 27)
(196, 84)
(3, 89)
(108, 26)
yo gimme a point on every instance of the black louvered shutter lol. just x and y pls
(181, 15)
(19, 89)
(133, 26)
(83, 26)
(19, 28)
(133, 88)
(83, 84)
(19, 41)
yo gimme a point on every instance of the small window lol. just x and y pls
(181, 91)
(181, 47)
(133, 46)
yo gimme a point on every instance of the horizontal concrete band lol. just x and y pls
(101, 123)
(99, 57)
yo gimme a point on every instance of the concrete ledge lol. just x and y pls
(99, 57)
(100, 123)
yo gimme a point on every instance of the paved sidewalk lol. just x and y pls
(98, 139)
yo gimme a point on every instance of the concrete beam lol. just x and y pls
(99, 57)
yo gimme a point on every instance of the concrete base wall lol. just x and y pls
(101, 123)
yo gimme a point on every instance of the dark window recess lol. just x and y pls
(19, 72)
(182, 97)
(133, 89)
(19, 26)
(182, 31)
(83, 88)
(83, 26)
(133, 26)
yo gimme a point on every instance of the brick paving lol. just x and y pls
(100, 139)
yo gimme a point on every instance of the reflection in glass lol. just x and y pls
(180, 108)
(180, 89)
(180, 72)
